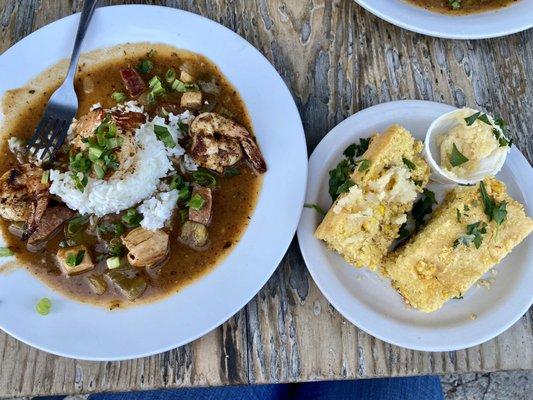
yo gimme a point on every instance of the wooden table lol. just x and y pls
(336, 59)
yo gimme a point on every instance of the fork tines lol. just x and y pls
(48, 137)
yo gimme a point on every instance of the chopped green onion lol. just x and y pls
(204, 178)
(74, 259)
(45, 178)
(184, 215)
(98, 169)
(115, 246)
(119, 97)
(80, 182)
(113, 143)
(145, 66)
(183, 87)
(95, 152)
(132, 218)
(6, 252)
(107, 130)
(170, 76)
(163, 134)
(76, 224)
(196, 202)
(113, 262)
(43, 306)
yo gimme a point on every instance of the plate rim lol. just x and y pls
(413, 27)
(302, 240)
(298, 134)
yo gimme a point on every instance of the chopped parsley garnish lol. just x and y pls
(74, 259)
(456, 157)
(474, 234)
(132, 218)
(409, 164)
(145, 66)
(43, 306)
(364, 165)
(356, 150)
(316, 207)
(502, 134)
(338, 177)
(196, 202)
(162, 133)
(423, 207)
(494, 210)
(345, 187)
(404, 233)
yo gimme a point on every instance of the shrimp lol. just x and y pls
(218, 142)
(24, 196)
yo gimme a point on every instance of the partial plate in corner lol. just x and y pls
(369, 301)
(505, 21)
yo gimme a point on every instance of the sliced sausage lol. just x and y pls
(132, 81)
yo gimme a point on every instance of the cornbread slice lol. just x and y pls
(363, 223)
(433, 268)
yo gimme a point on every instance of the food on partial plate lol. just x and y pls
(373, 189)
(470, 232)
(467, 145)
(461, 7)
(154, 184)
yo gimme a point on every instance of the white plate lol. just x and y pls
(369, 301)
(515, 18)
(77, 330)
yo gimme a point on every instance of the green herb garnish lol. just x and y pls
(43, 306)
(196, 202)
(345, 187)
(494, 210)
(423, 207)
(356, 150)
(131, 218)
(474, 234)
(145, 66)
(204, 178)
(454, 4)
(164, 135)
(231, 171)
(364, 165)
(337, 177)
(119, 97)
(456, 157)
(316, 207)
(170, 76)
(409, 164)
(502, 134)
(183, 87)
(74, 259)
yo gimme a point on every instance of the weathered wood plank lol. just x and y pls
(337, 59)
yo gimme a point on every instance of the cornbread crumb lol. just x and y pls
(362, 224)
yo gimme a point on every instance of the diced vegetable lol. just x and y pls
(170, 76)
(97, 284)
(113, 262)
(43, 306)
(146, 248)
(145, 66)
(193, 234)
(128, 282)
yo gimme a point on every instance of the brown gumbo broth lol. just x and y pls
(234, 198)
(461, 6)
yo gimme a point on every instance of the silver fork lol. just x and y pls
(63, 104)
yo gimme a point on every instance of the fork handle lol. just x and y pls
(85, 18)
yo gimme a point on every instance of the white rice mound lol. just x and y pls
(124, 189)
(158, 209)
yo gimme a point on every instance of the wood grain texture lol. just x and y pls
(337, 59)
